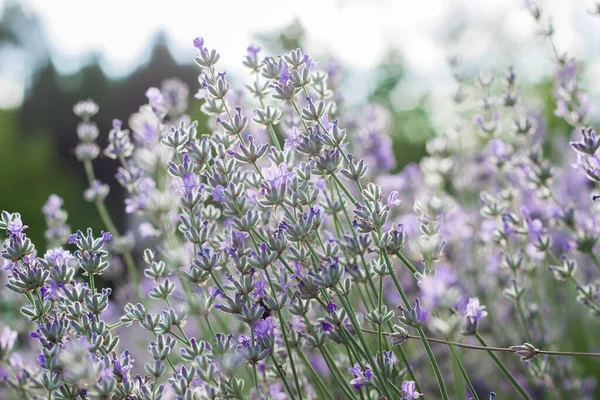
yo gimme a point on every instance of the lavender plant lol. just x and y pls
(282, 260)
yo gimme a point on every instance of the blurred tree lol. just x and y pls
(31, 173)
(21, 36)
(409, 128)
(47, 113)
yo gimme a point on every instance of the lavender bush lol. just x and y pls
(282, 261)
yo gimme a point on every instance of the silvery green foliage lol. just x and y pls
(281, 255)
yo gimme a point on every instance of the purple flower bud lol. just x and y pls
(15, 226)
(106, 236)
(189, 180)
(326, 326)
(308, 61)
(475, 311)
(408, 390)
(199, 43)
(215, 292)
(216, 192)
(253, 50)
(331, 306)
(284, 75)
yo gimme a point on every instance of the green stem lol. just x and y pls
(109, 224)
(210, 328)
(185, 340)
(270, 128)
(92, 284)
(285, 339)
(463, 372)
(154, 388)
(352, 354)
(596, 259)
(282, 377)
(300, 115)
(338, 185)
(361, 338)
(254, 374)
(379, 327)
(316, 376)
(504, 370)
(212, 275)
(407, 263)
(11, 372)
(344, 189)
(524, 320)
(371, 284)
(333, 367)
(434, 364)
(432, 360)
(115, 325)
(335, 371)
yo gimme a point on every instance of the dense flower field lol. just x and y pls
(281, 260)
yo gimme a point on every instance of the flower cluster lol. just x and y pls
(283, 259)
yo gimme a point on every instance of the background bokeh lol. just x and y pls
(393, 53)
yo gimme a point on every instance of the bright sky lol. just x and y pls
(357, 32)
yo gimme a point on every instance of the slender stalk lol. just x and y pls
(115, 325)
(210, 328)
(524, 320)
(354, 348)
(407, 263)
(568, 353)
(11, 372)
(285, 339)
(110, 225)
(370, 278)
(282, 377)
(179, 338)
(596, 259)
(434, 364)
(338, 184)
(351, 355)
(505, 370)
(463, 372)
(92, 284)
(571, 278)
(212, 275)
(335, 371)
(254, 374)
(344, 189)
(316, 376)
(300, 115)
(432, 360)
(361, 338)
(379, 326)
(270, 128)
(154, 387)
(185, 340)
